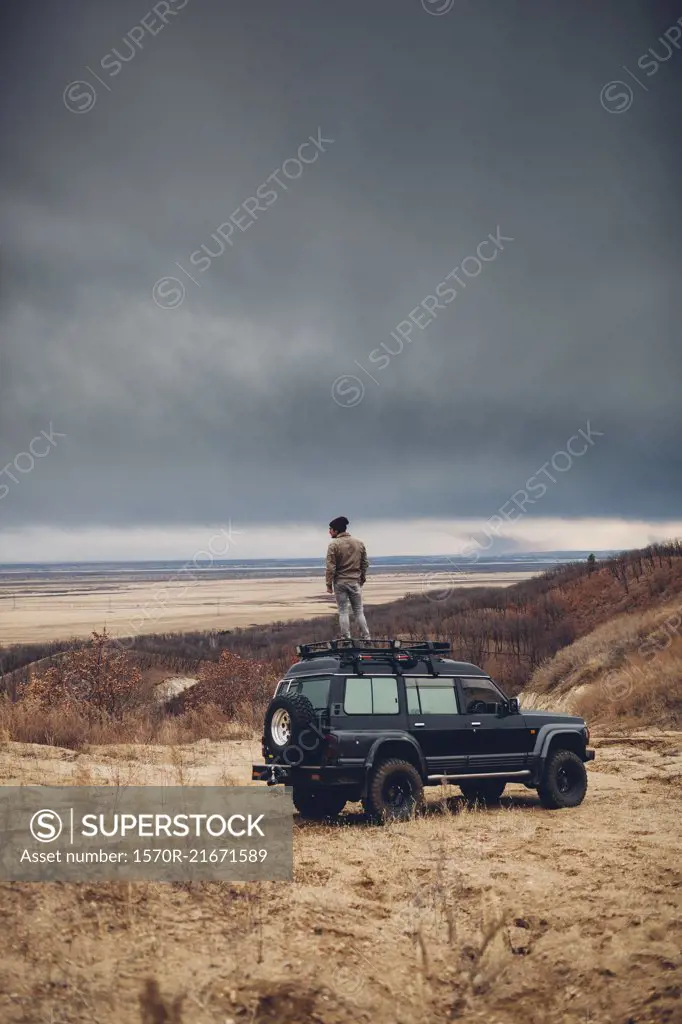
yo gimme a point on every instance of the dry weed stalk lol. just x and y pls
(154, 1009)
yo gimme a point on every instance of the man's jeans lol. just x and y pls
(349, 595)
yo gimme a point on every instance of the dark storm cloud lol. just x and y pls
(446, 129)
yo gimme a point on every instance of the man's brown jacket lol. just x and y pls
(347, 560)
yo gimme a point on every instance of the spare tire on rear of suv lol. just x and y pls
(291, 731)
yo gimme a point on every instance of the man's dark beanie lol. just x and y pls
(339, 524)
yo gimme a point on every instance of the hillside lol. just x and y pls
(511, 631)
(628, 670)
(508, 914)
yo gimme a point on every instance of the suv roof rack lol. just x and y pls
(379, 645)
(428, 646)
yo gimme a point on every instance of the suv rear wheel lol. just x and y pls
(318, 804)
(395, 791)
(482, 791)
(564, 780)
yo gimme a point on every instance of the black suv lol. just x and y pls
(377, 720)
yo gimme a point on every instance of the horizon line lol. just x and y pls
(308, 558)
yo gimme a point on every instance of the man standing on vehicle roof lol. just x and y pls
(347, 566)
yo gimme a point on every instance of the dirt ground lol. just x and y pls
(502, 915)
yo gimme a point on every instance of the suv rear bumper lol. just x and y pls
(270, 773)
(327, 775)
(589, 755)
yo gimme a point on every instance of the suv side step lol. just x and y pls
(481, 775)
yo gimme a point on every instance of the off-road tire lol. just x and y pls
(564, 780)
(395, 791)
(483, 791)
(318, 804)
(303, 742)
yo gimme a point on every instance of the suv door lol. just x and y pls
(497, 742)
(436, 724)
(368, 705)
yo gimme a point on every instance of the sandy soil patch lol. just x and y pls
(52, 610)
(500, 915)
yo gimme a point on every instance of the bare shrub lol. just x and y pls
(95, 679)
(240, 687)
(94, 695)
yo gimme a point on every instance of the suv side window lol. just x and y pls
(384, 695)
(431, 697)
(377, 695)
(481, 696)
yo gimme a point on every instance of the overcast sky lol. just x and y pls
(129, 136)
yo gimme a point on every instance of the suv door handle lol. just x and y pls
(474, 724)
(417, 724)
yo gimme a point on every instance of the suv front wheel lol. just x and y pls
(395, 791)
(564, 781)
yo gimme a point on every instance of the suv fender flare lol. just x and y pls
(403, 738)
(543, 740)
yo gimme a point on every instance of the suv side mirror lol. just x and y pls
(513, 705)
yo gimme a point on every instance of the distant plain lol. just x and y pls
(51, 602)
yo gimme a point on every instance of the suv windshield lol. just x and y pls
(315, 688)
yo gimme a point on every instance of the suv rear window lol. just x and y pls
(315, 688)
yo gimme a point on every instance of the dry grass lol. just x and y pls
(639, 693)
(628, 671)
(69, 727)
(513, 914)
